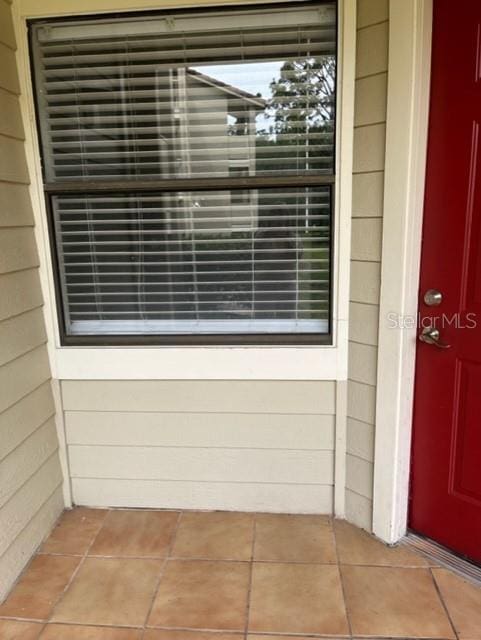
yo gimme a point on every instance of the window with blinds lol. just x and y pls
(189, 172)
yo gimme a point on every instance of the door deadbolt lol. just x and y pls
(433, 298)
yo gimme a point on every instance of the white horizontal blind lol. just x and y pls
(196, 262)
(237, 94)
(188, 103)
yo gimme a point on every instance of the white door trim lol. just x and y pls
(410, 26)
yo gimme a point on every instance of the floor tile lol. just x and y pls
(75, 531)
(285, 538)
(146, 534)
(158, 634)
(110, 591)
(71, 632)
(13, 630)
(393, 601)
(40, 587)
(222, 536)
(355, 546)
(271, 637)
(202, 595)
(297, 598)
(463, 601)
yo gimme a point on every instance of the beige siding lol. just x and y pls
(30, 477)
(262, 445)
(368, 181)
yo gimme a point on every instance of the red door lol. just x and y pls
(446, 467)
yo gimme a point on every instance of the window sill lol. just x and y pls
(200, 363)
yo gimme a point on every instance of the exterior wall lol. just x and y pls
(235, 445)
(368, 181)
(265, 445)
(30, 475)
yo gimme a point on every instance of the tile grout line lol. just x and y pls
(267, 634)
(75, 573)
(143, 629)
(249, 587)
(443, 603)
(341, 579)
(161, 573)
(227, 560)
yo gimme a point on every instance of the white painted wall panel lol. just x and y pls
(359, 509)
(360, 439)
(363, 363)
(367, 194)
(365, 282)
(202, 465)
(238, 430)
(211, 495)
(211, 440)
(359, 475)
(217, 396)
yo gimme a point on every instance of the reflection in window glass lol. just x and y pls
(206, 132)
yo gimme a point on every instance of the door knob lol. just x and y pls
(431, 335)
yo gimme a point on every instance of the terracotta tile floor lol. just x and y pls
(165, 575)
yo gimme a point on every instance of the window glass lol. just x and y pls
(180, 157)
(196, 261)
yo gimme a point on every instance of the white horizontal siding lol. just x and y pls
(7, 35)
(11, 121)
(359, 475)
(204, 495)
(18, 511)
(360, 439)
(21, 376)
(31, 454)
(24, 545)
(15, 209)
(21, 334)
(202, 444)
(359, 509)
(20, 292)
(224, 430)
(8, 71)
(30, 477)
(203, 465)
(20, 420)
(13, 164)
(212, 396)
(366, 253)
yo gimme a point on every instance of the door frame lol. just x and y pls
(409, 73)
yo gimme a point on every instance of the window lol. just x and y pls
(189, 173)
